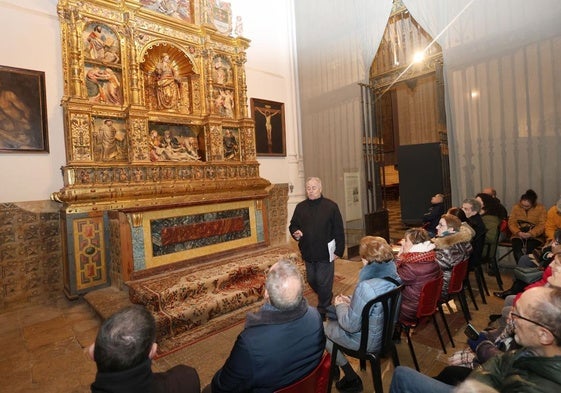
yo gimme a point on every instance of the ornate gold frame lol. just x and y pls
(127, 66)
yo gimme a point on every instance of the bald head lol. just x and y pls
(284, 285)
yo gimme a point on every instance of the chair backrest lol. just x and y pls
(390, 302)
(459, 273)
(314, 382)
(429, 297)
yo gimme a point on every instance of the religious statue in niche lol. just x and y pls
(231, 146)
(103, 85)
(221, 71)
(224, 102)
(109, 139)
(167, 70)
(172, 142)
(180, 9)
(101, 44)
(167, 83)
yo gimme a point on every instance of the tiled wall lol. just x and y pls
(30, 253)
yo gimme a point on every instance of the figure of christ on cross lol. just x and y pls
(268, 113)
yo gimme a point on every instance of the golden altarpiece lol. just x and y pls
(161, 167)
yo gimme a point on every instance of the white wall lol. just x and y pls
(31, 40)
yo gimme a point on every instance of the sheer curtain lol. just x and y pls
(336, 44)
(503, 89)
(501, 61)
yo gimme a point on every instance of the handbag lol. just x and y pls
(528, 274)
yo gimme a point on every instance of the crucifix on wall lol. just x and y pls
(269, 127)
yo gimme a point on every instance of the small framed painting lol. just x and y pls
(23, 117)
(270, 135)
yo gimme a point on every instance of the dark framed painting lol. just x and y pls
(270, 134)
(23, 111)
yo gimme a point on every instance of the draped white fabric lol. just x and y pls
(336, 43)
(503, 88)
(501, 62)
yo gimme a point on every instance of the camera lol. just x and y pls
(471, 332)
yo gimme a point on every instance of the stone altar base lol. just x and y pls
(189, 304)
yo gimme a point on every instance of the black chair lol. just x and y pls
(490, 257)
(390, 302)
(476, 260)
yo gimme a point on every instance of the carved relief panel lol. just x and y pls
(154, 93)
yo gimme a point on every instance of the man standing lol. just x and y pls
(536, 367)
(317, 225)
(123, 352)
(280, 344)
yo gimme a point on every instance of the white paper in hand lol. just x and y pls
(331, 249)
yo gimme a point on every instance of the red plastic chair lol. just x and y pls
(428, 306)
(314, 382)
(456, 287)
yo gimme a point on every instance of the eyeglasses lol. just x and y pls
(518, 316)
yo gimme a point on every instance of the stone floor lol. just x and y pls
(42, 348)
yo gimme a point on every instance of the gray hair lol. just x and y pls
(316, 179)
(284, 285)
(548, 313)
(475, 204)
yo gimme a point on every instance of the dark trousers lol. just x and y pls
(526, 246)
(320, 277)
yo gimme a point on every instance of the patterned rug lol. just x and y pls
(170, 344)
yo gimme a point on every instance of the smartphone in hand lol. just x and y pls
(471, 332)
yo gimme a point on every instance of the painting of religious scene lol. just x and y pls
(174, 142)
(101, 44)
(230, 141)
(221, 71)
(109, 139)
(180, 9)
(224, 102)
(103, 84)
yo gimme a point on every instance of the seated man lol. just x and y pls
(123, 351)
(533, 368)
(431, 217)
(280, 344)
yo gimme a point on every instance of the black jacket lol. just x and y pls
(320, 221)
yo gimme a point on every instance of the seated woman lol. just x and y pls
(531, 269)
(377, 258)
(527, 224)
(452, 246)
(416, 265)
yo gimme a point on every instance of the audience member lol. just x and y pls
(377, 263)
(471, 208)
(123, 352)
(553, 220)
(503, 212)
(431, 217)
(452, 246)
(527, 224)
(377, 277)
(533, 368)
(490, 215)
(458, 212)
(280, 344)
(416, 265)
(531, 268)
(317, 225)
